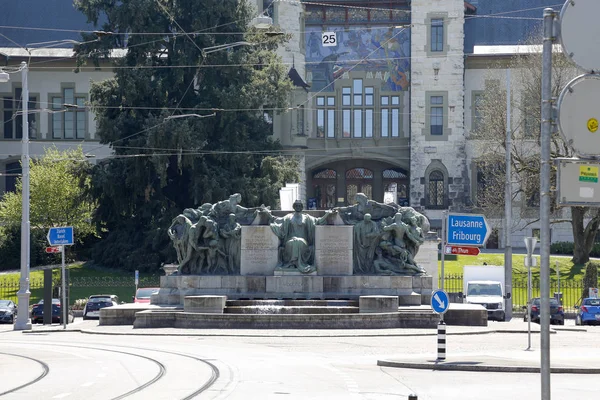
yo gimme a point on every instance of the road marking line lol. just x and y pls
(60, 396)
(101, 375)
(87, 384)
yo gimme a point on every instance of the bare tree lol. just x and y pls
(489, 134)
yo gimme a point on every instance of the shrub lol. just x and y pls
(562, 248)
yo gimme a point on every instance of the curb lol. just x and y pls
(472, 366)
(271, 333)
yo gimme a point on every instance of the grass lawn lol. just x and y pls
(567, 269)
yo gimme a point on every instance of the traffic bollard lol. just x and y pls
(441, 348)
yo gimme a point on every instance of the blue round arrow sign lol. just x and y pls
(439, 301)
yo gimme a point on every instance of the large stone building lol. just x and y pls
(385, 110)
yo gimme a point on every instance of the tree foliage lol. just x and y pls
(58, 184)
(162, 166)
(525, 129)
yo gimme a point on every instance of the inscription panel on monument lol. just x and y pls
(333, 249)
(259, 250)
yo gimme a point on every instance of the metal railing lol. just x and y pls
(571, 290)
(80, 287)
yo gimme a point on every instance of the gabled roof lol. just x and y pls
(297, 79)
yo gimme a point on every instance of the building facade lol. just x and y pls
(384, 101)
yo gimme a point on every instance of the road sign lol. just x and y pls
(440, 301)
(462, 250)
(329, 39)
(579, 32)
(467, 229)
(56, 249)
(137, 276)
(578, 115)
(577, 182)
(60, 236)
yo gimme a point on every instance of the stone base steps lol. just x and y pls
(185, 320)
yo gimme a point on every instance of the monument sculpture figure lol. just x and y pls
(232, 233)
(366, 239)
(296, 232)
(385, 237)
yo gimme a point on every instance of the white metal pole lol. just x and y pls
(529, 303)
(546, 131)
(23, 295)
(64, 305)
(508, 210)
(444, 234)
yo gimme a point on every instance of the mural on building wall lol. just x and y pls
(383, 52)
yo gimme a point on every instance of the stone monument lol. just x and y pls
(367, 248)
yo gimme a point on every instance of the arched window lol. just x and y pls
(436, 190)
(358, 180)
(324, 188)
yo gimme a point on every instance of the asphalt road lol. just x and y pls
(279, 365)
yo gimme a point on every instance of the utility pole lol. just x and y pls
(545, 198)
(508, 209)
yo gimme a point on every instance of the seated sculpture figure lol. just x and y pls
(296, 232)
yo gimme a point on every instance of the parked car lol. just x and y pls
(557, 314)
(37, 311)
(588, 312)
(142, 295)
(96, 302)
(8, 311)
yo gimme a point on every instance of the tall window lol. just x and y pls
(437, 34)
(437, 115)
(68, 124)
(358, 110)
(436, 189)
(300, 121)
(12, 118)
(326, 116)
(390, 116)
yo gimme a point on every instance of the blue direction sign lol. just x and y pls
(467, 230)
(440, 301)
(60, 236)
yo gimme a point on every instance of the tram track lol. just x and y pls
(45, 370)
(214, 370)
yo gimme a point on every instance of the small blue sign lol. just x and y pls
(467, 230)
(60, 236)
(440, 301)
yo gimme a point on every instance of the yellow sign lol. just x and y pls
(588, 174)
(592, 125)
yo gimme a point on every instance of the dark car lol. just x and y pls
(96, 302)
(557, 315)
(37, 312)
(8, 311)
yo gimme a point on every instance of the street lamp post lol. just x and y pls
(23, 295)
